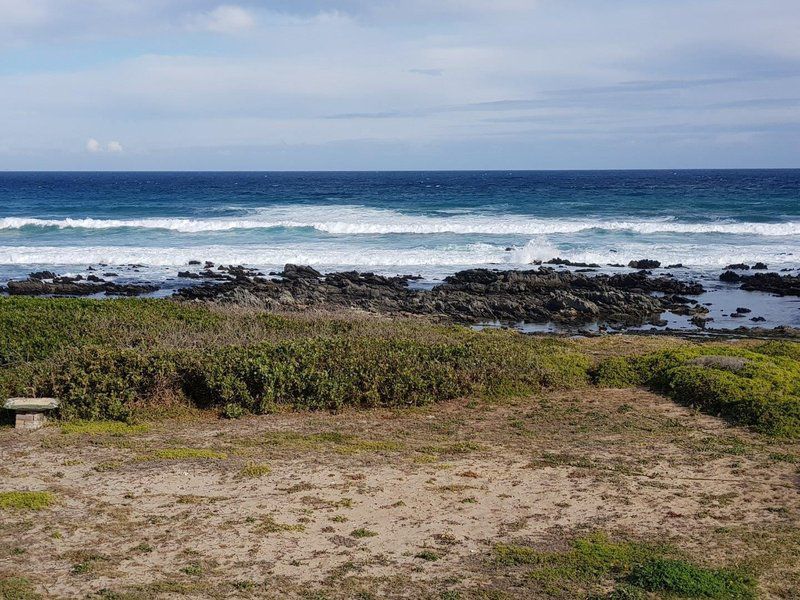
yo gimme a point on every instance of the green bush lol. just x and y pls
(327, 366)
(757, 386)
(232, 411)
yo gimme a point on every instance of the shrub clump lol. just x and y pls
(328, 369)
(759, 386)
(25, 500)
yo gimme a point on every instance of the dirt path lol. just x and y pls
(391, 503)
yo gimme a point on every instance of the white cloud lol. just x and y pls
(226, 18)
(95, 147)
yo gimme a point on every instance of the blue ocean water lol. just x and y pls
(428, 223)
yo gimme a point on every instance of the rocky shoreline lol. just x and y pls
(470, 296)
(542, 295)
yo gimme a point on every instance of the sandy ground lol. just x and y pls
(392, 503)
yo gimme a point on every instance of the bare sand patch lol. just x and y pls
(391, 503)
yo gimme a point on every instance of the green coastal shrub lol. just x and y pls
(757, 386)
(104, 357)
(328, 367)
(95, 383)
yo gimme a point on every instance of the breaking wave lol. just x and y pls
(359, 220)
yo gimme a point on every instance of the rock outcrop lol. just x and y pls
(473, 295)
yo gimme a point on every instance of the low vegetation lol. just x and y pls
(17, 588)
(187, 454)
(634, 568)
(106, 360)
(757, 385)
(25, 500)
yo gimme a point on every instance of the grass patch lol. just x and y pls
(634, 567)
(117, 428)
(363, 533)
(17, 588)
(690, 581)
(254, 470)
(104, 359)
(25, 500)
(187, 454)
(269, 525)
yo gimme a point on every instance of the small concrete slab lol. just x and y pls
(31, 404)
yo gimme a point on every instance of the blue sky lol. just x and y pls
(415, 84)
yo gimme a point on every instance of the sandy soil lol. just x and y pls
(431, 491)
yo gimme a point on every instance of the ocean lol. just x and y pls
(430, 223)
(422, 223)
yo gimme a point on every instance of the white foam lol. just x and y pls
(359, 220)
(365, 256)
(250, 255)
(703, 256)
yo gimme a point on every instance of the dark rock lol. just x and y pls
(194, 262)
(569, 263)
(33, 287)
(645, 263)
(700, 321)
(675, 266)
(757, 319)
(75, 286)
(742, 310)
(42, 275)
(110, 274)
(730, 277)
(738, 267)
(774, 283)
(300, 272)
(760, 266)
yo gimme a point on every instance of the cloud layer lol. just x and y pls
(316, 84)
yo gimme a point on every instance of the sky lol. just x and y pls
(414, 84)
